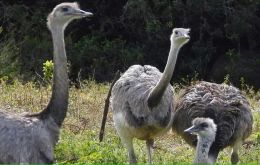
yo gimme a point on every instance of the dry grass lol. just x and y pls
(79, 138)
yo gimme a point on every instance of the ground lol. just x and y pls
(79, 142)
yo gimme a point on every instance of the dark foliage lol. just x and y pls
(225, 38)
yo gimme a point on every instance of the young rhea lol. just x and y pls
(142, 99)
(205, 129)
(222, 103)
(31, 138)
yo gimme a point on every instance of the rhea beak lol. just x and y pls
(192, 130)
(186, 35)
(82, 13)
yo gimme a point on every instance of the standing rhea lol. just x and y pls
(31, 138)
(142, 99)
(225, 105)
(205, 129)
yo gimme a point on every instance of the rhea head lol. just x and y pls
(203, 127)
(180, 36)
(64, 13)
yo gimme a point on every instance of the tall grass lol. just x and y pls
(79, 136)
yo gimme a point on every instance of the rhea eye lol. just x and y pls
(176, 33)
(204, 125)
(65, 9)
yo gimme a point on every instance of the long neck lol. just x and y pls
(202, 150)
(158, 91)
(58, 104)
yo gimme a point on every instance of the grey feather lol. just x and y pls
(31, 138)
(205, 130)
(142, 99)
(132, 116)
(223, 103)
(130, 93)
(25, 140)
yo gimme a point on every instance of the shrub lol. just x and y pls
(101, 57)
(47, 69)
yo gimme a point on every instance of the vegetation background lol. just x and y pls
(225, 38)
(224, 46)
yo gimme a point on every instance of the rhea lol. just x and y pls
(31, 138)
(205, 129)
(224, 104)
(142, 99)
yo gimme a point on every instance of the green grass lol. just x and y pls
(79, 136)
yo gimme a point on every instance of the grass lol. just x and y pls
(79, 143)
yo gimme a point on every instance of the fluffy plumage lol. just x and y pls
(31, 138)
(26, 139)
(133, 89)
(223, 103)
(205, 129)
(142, 99)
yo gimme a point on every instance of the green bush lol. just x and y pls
(100, 58)
(9, 62)
(47, 69)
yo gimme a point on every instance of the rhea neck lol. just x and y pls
(202, 150)
(157, 92)
(58, 104)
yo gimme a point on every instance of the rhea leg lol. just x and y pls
(149, 145)
(128, 143)
(131, 154)
(234, 155)
(125, 136)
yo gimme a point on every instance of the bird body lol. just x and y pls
(133, 89)
(26, 139)
(142, 99)
(223, 103)
(31, 138)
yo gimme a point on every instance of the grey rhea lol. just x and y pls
(223, 103)
(142, 99)
(205, 129)
(31, 138)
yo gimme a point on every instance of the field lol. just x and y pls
(79, 136)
